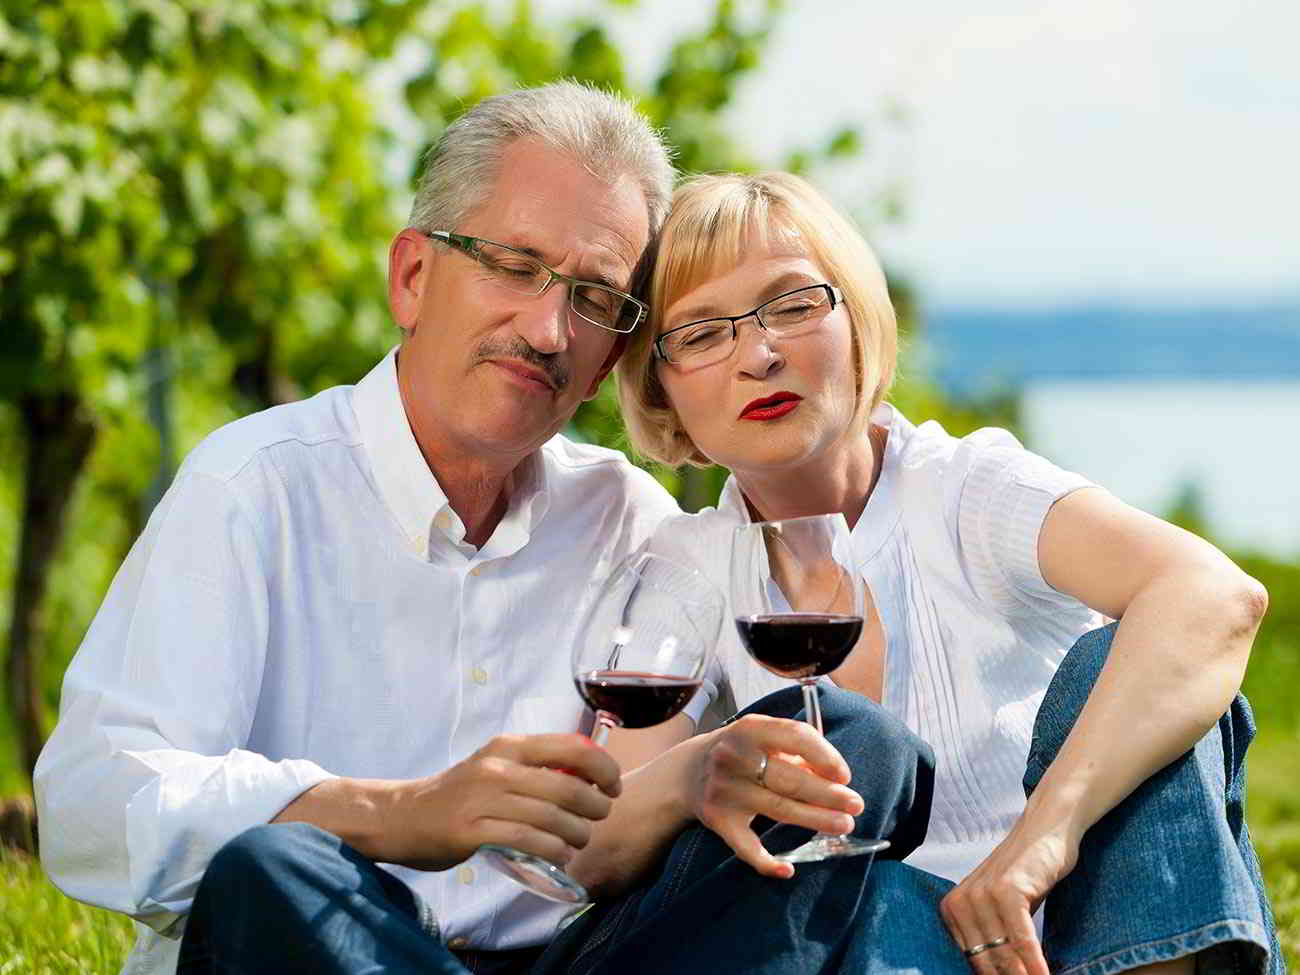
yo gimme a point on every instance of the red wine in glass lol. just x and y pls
(644, 638)
(799, 645)
(798, 600)
(634, 699)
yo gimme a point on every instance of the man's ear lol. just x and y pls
(409, 265)
(620, 344)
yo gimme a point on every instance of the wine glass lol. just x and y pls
(643, 644)
(798, 602)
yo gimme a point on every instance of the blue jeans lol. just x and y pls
(292, 898)
(1168, 872)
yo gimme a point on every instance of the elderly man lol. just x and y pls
(342, 640)
(346, 611)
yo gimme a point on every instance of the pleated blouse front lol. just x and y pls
(948, 545)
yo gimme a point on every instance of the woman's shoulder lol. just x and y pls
(701, 539)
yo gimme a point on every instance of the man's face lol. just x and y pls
(483, 370)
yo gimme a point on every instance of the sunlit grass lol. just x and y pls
(43, 932)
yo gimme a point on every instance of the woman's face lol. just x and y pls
(811, 374)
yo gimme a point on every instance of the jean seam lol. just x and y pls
(1188, 942)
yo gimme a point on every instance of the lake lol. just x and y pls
(1149, 401)
(1236, 443)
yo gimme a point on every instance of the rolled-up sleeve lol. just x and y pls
(147, 773)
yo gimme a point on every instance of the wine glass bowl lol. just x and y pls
(644, 640)
(799, 602)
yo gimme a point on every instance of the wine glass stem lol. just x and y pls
(812, 707)
(604, 722)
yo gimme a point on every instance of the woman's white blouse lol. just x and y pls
(948, 545)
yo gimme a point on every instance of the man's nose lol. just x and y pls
(756, 354)
(543, 322)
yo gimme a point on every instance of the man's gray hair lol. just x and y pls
(603, 133)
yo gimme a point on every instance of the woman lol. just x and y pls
(770, 350)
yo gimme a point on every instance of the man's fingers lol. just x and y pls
(525, 839)
(569, 792)
(575, 831)
(574, 754)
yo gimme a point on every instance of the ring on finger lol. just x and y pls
(980, 949)
(761, 776)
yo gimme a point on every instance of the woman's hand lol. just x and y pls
(803, 782)
(998, 899)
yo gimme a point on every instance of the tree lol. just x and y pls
(196, 196)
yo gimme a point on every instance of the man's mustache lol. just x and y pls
(521, 350)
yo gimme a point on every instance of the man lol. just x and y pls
(343, 637)
(349, 611)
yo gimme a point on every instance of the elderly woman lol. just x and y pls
(770, 351)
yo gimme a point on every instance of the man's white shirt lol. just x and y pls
(301, 605)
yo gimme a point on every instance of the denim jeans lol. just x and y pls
(292, 898)
(1168, 872)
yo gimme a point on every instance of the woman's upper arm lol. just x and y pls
(1102, 551)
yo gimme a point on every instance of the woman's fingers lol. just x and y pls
(747, 846)
(1019, 925)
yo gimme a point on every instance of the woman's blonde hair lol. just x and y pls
(714, 220)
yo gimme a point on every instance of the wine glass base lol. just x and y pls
(539, 876)
(826, 847)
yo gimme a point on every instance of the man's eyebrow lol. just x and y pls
(594, 277)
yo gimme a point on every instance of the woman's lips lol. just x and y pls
(771, 407)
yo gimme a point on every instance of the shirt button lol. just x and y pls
(458, 943)
(442, 520)
(465, 875)
(476, 571)
(480, 675)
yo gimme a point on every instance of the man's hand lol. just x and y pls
(804, 783)
(511, 791)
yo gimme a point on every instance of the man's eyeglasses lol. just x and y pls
(513, 270)
(711, 340)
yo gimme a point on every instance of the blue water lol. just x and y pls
(977, 350)
(1150, 403)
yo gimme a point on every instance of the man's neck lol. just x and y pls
(477, 491)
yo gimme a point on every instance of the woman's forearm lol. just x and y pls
(1176, 662)
(645, 820)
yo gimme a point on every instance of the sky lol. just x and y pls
(1130, 150)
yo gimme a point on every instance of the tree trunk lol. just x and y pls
(59, 438)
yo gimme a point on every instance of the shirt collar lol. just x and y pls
(881, 513)
(411, 491)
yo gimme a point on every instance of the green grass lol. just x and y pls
(44, 933)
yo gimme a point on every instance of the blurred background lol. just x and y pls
(1088, 212)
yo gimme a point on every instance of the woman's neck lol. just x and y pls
(840, 480)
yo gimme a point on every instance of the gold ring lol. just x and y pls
(995, 943)
(761, 777)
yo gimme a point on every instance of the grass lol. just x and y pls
(43, 932)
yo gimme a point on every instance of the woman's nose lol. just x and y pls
(756, 353)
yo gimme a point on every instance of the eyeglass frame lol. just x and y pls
(470, 246)
(836, 296)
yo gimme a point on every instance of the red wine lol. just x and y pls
(637, 700)
(799, 644)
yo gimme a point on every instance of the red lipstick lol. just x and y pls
(771, 407)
